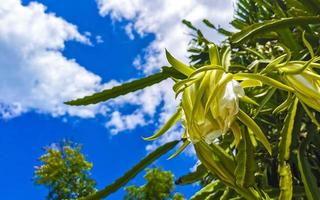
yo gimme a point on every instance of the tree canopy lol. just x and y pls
(65, 171)
(159, 186)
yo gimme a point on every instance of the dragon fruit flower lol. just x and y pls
(210, 105)
(305, 83)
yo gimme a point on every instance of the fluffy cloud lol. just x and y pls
(163, 19)
(119, 123)
(34, 75)
(144, 103)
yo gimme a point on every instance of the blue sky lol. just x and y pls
(83, 47)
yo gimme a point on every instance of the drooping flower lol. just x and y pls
(210, 108)
(305, 81)
(210, 104)
(210, 100)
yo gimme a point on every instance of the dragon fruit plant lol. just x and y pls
(249, 106)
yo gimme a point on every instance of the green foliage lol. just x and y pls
(212, 189)
(127, 87)
(250, 107)
(65, 172)
(271, 25)
(308, 179)
(159, 186)
(120, 90)
(245, 169)
(198, 175)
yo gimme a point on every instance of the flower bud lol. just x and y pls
(210, 105)
(307, 87)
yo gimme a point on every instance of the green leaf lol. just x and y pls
(250, 83)
(226, 159)
(307, 44)
(224, 32)
(181, 148)
(271, 25)
(287, 52)
(226, 57)
(248, 100)
(285, 183)
(308, 178)
(212, 187)
(213, 162)
(214, 55)
(284, 105)
(256, 53)
(286, 132)
(303, 5)
(226, 194)
(298, 193)
(266, 196)
(194, 77)
(173, 72)
(310, 115)
(264, 79)
(273, 64)
(222, 165)
(236, 131)
(181, 85)
(251, 124)
(189, 24)
(193, 177)
(216, 159)
(208, 23)
(132, 172)
(119, 90)
(238, 24)
(297, 68)
(184, 69)
(172, 121)
(245, 160)
(265, 101)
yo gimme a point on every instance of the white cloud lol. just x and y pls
(99, 39)
(163, 19)
(34, 75)
(149, 98)
(119, 122)
(145, 103)
(129, 30)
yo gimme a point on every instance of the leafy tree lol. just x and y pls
(159, 186)
(65, 172)
(250, 107)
